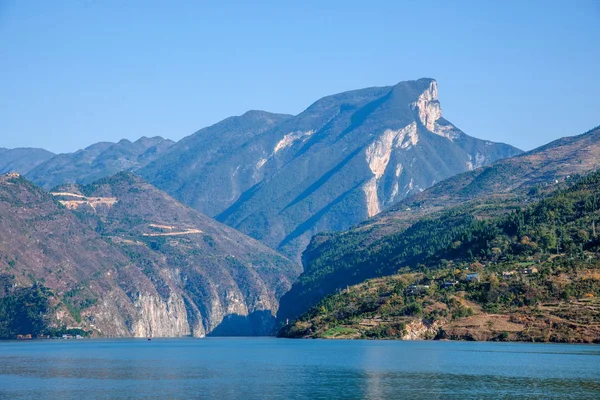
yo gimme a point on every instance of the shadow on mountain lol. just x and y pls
(258, 323)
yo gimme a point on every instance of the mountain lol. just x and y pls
(281, 179)
(98, 161)
(22, 160)
(122, 258)
(530, 275)
(231, 283)
(211, 169)
(334, 260)
(93, 283)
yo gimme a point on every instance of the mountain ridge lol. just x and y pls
(97, 161)
(532, 274)
(22, 159)
(322, 169)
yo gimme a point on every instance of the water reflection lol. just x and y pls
(264, 368)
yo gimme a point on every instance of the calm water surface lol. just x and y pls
(268, 368)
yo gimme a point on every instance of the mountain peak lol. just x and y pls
(428, 106)
(420, 84)
(264, 115)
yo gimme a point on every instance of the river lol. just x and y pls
(269, 368)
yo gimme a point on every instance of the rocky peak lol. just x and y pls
(428, 107)
(429, 112)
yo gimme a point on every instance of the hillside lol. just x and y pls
(92, 284)
(532, 274)
(22, 160)
(120, 258)
(231, 284)
(334, 260)
(97, 161)
(281, 179)
(221, 158)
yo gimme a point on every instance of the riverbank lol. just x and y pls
(377, 309)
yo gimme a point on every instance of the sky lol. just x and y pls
(73, 73)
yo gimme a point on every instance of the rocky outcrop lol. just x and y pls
(429, 111)
(428, 107)
(162, 318)
(420, 330)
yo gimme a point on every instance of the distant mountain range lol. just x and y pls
(281, 178)
(122, 241)
(97, 161)
(22, 160)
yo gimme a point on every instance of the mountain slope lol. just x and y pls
(22, 160)
(376, 147)
(531, 275)
(98, 161)
(337, 163)
(335, 260)
(230, 283)
(121, 258)
(94, 284)
(211, 168)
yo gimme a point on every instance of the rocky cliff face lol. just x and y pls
(124, 259)
(94, 284)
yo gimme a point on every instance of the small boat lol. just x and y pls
(149, 338)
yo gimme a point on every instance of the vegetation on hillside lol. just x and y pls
(546, 253)
(23, 311)
(346, 258)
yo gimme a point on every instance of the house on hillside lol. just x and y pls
(416, 290)
(508, 274)
(472, 277)
(449, 284)
(530, 271)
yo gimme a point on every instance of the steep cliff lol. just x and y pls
(95, 286)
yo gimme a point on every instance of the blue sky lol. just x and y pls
(73, 73)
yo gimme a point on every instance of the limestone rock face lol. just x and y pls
(162, 318)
